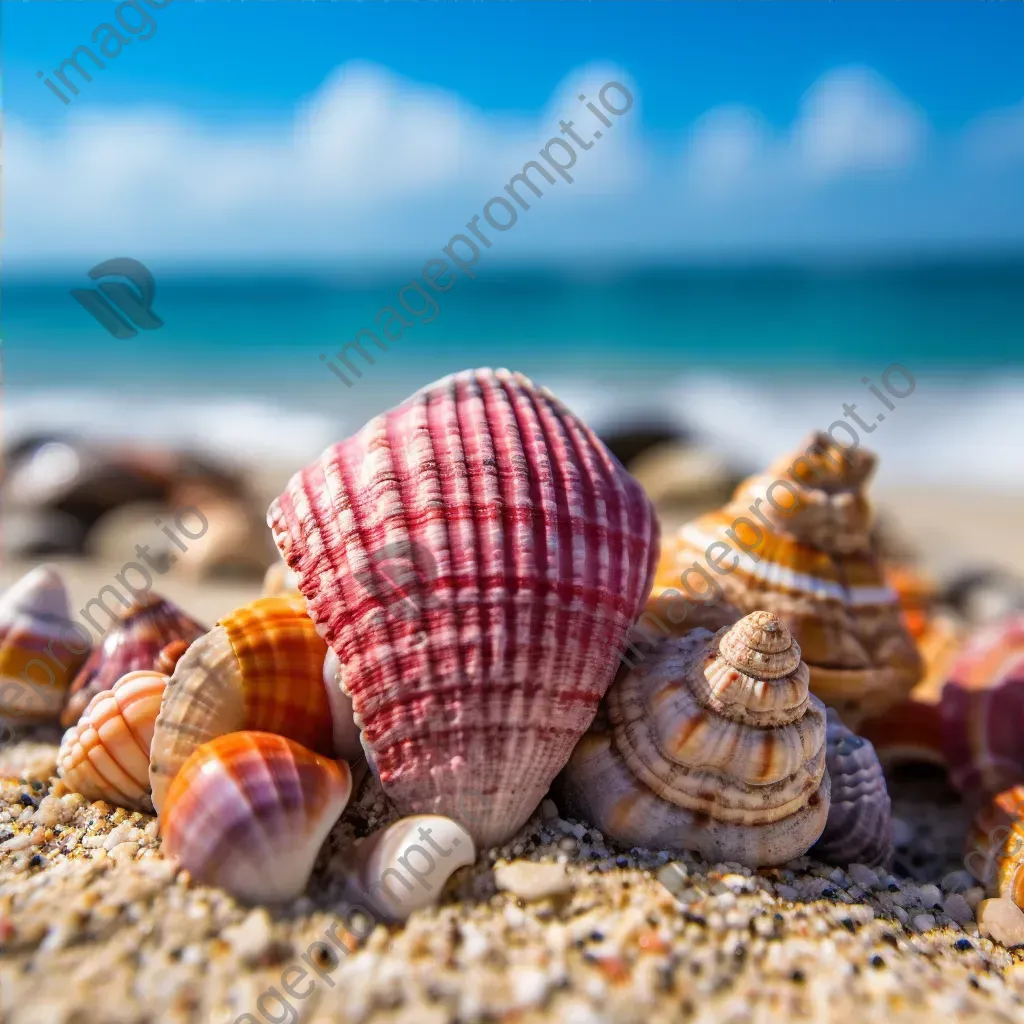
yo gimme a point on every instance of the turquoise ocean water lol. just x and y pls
(752, 356)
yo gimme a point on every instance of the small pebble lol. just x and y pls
(957, 908)
(863, 876)
(532, 880)
(924, 922)
(958, 881)
(902, 833)
(787, 892)
(1002, 921)
(930, 895)
(252, 938)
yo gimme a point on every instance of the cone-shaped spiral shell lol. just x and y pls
(994, 851)
(249, 812)
(474, 557)
(259, 668)
(795, 540)
(133, 644)
(859, 825)
(404, 867)
(982, 711)
(715, 746)
(105, 755)
(40, 647)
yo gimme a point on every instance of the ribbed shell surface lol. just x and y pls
(859, 825)
(528, 552)
(982, 710)
(133, 644)
(260, 668)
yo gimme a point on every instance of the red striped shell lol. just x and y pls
(41, 648)
(249, 812)
(982, 710)
(795, 540)
(105, 755)
(133, 644)
(474, 557)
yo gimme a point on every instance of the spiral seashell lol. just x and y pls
(795, 540)
(105, 756)
(260, 668)
(982, 710)
(475, 558)
(716, 745)
(994, 851)
(403, 867)
(38, 657)
(859, 825)
(249, 812)
(133, 644)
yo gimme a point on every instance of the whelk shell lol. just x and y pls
(474, 557)
(38, 656)
(715, 746)
(260, 668)
(105, 756)
(859, 825)
(249, 812)
(795, 540)
(133, 644)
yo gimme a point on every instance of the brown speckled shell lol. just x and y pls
(859, 825)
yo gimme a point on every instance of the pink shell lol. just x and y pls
(474, 557)
(982, 711)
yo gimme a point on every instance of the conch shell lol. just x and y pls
(474, 557)
(38, 656)
(249, 812)
(133, 644)
(982, 710)
(715, 745)
(795, 540)
(105, 756)
(995, 846)
(859, 825)
(260, 668)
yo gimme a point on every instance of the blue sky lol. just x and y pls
(304, 130)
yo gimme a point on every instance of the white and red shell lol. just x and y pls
(474, 557)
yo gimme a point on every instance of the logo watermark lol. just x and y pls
(134, 305)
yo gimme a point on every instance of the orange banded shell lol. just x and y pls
(105, 755)
(795, 540)
(249, 812)
(260, 668)
(995, 845)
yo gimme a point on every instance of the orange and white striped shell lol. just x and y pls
(795, 540)
(41, 648)
(260, 668)
(715, 745)
(994, 851)
(474, 557)
(105, 755)
(249, 812)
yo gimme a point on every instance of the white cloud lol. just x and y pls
(851, 120)
(727, 148)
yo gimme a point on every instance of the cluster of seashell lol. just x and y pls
(474, 558)
(796, 540)
(714, 744)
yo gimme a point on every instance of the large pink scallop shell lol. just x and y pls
(474, 557)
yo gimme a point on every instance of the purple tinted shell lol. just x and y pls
(859, 825)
